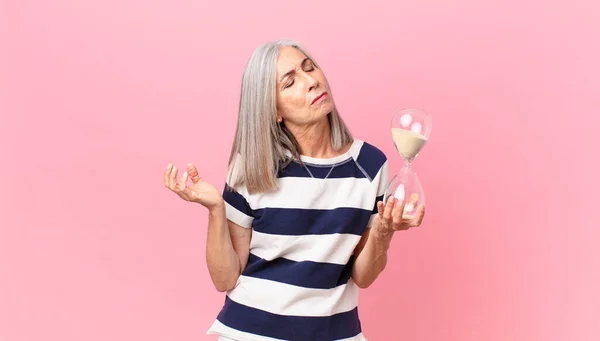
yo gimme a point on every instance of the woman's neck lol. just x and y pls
(314, 140)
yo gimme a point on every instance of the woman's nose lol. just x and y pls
(311, 81)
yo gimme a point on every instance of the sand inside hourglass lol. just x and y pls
(408, 143)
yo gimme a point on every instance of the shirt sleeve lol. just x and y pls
(237, 207)
(380, 181)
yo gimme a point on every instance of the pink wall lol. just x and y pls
(98, 96)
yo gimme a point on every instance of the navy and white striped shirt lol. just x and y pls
(297, 284)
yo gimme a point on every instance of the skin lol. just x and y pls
(299, 82)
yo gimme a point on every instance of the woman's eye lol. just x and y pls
(289, 84)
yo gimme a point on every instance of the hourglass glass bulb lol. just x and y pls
(410, 131)
(406, 187)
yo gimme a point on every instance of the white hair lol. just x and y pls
(259, 140)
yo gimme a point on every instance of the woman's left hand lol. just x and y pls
(389, 218)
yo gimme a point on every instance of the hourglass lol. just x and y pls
(410, 131)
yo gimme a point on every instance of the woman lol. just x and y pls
(300, 225)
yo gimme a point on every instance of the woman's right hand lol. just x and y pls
(200, 191)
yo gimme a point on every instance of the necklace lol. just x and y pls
(320, 181)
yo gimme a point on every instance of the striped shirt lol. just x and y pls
(297, 284)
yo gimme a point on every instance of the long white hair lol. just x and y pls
(259, 140)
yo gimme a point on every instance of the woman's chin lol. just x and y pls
(325, 109)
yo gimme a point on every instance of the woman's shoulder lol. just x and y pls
(370, 157)
(369, 152)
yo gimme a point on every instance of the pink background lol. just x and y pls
(97, 97)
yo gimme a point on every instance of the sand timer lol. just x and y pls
(410, 131)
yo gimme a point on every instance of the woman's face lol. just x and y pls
(303, 94)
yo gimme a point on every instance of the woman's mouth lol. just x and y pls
(318, 98)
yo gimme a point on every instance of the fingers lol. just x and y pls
(181, 184)
(392, 213)
(167, 173)
(397, 216)
(173, 178)
(387, 213)
(416, 221)
(193, 173)
(170, 178)
(380, 208)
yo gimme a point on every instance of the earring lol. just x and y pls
(279, 119)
